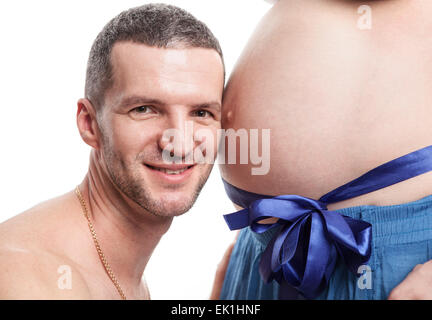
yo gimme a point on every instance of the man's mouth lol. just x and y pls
(169, 171)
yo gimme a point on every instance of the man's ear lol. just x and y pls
(87, 123)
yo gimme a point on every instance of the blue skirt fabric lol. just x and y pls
(401, 239)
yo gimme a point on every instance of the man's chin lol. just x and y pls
(169, 199)
(171, 204)
(169, 209)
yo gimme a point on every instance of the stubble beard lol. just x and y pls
(127, 179)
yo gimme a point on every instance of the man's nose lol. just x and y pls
(177, 138)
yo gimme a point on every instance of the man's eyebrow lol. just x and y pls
(210, 105)
(135, 100)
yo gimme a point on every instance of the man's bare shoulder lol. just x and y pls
(32, 260)
(30, 274)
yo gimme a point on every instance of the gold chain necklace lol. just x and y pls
(98, 248)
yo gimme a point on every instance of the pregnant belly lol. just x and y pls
(339, 100)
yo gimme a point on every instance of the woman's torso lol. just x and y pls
(339, 100)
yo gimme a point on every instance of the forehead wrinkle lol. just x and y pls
(164, 62)
(163, 74)
(164, 77)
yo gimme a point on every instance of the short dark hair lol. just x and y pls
(156, 25)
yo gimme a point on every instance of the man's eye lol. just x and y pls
(203, 113)
(142, 109)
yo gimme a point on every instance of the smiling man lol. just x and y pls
(151, 69)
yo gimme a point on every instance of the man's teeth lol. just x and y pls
(167, 171)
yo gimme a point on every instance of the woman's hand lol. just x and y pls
(416, 286)
(221, 271)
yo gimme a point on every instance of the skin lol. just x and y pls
(416, 286)
(131, 205)
(339, 100)
(221, 271)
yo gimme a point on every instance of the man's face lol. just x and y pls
(155, 90)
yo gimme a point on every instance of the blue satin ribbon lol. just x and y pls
(310, 238)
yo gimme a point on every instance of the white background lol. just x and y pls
(43, 56)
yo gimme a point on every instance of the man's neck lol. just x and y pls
(126, 232)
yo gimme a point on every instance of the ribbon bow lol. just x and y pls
(303, 253)
(304, 250)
